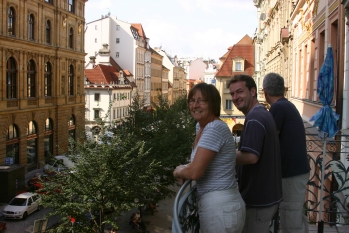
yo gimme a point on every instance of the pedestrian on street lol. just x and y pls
(294, 160)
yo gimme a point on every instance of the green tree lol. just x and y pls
(128, 165)
(108, 176)
(168, 133)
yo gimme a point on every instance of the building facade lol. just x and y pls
(156, 76)
(238, 60)
(42, 74)
(292, 38)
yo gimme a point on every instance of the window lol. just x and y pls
(117, 40)
(48, 79)
(48, 139)
(95, 40)
(31, 143)
(11, 77)
(71, 80)
(96, 113)
(238, 66)
(31, 27)
(48, 32)
(71, 5)
(31, 79)
(97, 96)
(11, 22)
(12, 145)
(228, 105)
(49, 1)
(71, 130)
(96, 27)
(117, 54)
(117, 27)
(71, 38)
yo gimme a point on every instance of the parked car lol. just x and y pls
(58, 164)
(22, 205)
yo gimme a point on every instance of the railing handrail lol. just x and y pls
(176, 227)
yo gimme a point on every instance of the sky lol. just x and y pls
(186, 28)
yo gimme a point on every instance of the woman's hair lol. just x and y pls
(210, 94)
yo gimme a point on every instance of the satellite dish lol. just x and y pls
(262, 17)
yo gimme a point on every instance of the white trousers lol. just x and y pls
(292, 218)
(222, 211)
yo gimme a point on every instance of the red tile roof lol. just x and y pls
(139, 27)
(244, 49)
(102, 74)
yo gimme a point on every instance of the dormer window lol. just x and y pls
(238, 64)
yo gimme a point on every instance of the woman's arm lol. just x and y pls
(196, 168)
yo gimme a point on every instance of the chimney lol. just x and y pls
(93, 61)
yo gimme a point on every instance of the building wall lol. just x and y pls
(197, 69)
(107, 30)
(156, 77)
(60, 105)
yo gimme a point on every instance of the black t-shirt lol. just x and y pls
(293, 148)
(260, 183)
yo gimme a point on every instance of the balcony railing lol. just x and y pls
(185, 212)
(327, 198)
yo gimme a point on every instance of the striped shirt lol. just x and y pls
(220, 173)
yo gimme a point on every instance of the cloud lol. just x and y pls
(210, 6)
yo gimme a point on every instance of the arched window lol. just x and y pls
(48, 79)
(31, 27)
(31, 78)
(71, 38)
(48, 32)
(12, 145)
(11, 23)
(48, 140)
(11, 78)
(71, 80)
(32, 156)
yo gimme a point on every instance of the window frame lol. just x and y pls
(71, 38)
(96, 112)
(228, 104)
(11, 21)
(11, 77)
(48, 80)
(71, 80)
(71, 6)
(31, 79)
(48, 31)
(31, 27)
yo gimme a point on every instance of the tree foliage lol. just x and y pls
(122, 169)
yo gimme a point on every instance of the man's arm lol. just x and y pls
(243, 158)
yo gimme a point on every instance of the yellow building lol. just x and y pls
(156, 73)
(238, 60)
(42, 99)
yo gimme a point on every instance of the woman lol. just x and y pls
(221, 208)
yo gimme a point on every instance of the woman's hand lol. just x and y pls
(177, 173)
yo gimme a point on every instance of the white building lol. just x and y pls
(108, 91)
(128, 46)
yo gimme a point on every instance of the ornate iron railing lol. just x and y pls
(185, 214)
(327, 199)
